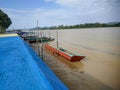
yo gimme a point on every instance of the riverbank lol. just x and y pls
(88, 74)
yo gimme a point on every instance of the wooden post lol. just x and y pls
(38, 39)
(57, 42)
(41, 45)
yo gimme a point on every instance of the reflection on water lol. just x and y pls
(101, 48)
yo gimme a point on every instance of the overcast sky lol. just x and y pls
(25, 13)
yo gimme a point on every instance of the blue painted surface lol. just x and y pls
(22, 69)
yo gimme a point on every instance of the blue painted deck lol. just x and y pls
(22, 69)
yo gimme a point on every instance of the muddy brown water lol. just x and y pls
(99, 70)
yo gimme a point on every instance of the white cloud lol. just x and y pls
(68, 2)
(48, 0)
(28, 18)
(73, 3)
(73, 12)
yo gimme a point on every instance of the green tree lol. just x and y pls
(5, 21)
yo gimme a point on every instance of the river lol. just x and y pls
(101, 46)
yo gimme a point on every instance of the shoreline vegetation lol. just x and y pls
(86, 25)
(77, 26)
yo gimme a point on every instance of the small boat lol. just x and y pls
(64, 53)
(31, 37)
(26, 35)
(36, 39)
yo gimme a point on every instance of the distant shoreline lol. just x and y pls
(78, 26)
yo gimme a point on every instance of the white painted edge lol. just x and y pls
(8, 35)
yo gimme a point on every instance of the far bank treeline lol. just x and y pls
(86, 25)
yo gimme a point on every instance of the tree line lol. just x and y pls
(86, 25)
(5, 22)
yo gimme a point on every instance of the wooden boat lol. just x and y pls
(62, 52)
(31, 37)
(36, 39)
(27, 35)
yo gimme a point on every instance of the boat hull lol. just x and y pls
(34, 40)
(64, 54)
